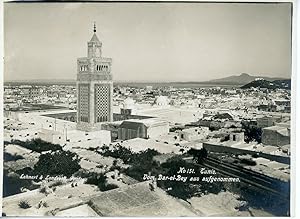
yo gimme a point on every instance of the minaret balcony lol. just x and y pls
(94, 77)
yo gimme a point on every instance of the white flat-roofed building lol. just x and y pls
(193, 134)
(52, 136)
(145, 128)
(88, 139)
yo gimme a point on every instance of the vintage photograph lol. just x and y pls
(149, 109)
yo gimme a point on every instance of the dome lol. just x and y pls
(162, 101)
(128, 103)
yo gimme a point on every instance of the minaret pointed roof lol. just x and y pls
(95, 38)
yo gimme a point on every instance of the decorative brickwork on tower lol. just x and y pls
(94, 88)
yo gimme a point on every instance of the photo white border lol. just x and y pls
(295, 78)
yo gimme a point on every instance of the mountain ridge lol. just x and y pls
(241, 79)
(276, 84)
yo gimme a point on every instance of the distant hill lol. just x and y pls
(240, 79)
(285, 84)
(41, 82)
(276, 84)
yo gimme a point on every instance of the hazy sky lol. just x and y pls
(149, 41)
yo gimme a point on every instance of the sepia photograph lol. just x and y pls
(147, 109)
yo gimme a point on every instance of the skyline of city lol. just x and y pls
(178, 147)
(168, 34)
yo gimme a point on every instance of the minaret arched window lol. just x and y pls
(83, 68)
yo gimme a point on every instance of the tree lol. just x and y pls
(145, 156)
(58, 163)
(198, 155)
(118, 151)
(179, 189)
(24, 204)
(115, 162)
(100, 180)
(252, 133)
(142, 163)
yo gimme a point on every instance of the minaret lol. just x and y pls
(94, 87)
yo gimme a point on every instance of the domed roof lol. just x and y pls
(128, 103)
(162, 100)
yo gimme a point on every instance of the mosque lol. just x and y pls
(95, 101)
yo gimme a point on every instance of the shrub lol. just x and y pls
(59, 163)
(82, 173)
(252, 133)
(109, 187)
(56, 183)
(198, 155)
(43, 190)
(25, 170)
(6, 143)
(181, 190)
(113, 168)
(142, 162)
(24, 204)
(127, 155)
(38, 145)
(10, 157)
(173, 129)
(100, 180)
(118, 151)
(115, 162)
(224, 138)
(96, 179)
(248, 162)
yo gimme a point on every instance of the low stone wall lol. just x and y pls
(226, 149)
